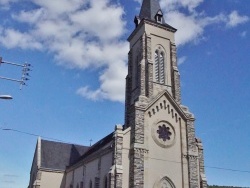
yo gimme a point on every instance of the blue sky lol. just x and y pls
(78, 51)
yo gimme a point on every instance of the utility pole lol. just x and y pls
(25, 72)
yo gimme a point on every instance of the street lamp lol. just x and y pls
(6, 97)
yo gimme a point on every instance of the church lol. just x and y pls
(156, 147)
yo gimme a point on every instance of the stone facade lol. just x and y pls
(146, 38)
(156, 147)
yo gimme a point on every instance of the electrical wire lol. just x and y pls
(212, 167)
(32, 134)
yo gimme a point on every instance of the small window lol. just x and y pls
(97, 182)
(90, 184)
(159, 16)
(106, 182)
(156, 66)
(159, 19)
(83, 170)
(159, 67)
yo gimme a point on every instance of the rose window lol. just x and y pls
(164, 133)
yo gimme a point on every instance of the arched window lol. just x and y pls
(159, 67)
(106, 182)
(157, 76)
(90, 184)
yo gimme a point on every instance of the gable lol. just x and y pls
(165, 139)
(165, 102)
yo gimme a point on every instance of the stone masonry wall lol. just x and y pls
(203, 181)
(192, 155)
(176, 89)
(116, 171)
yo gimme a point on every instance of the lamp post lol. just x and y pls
(7, 97)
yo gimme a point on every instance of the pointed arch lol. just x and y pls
(164, 182)
(157, 76)
(90, 184)
(159, 67)
(105, 181)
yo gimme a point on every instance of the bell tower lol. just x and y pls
(163, 149)
(152, 66)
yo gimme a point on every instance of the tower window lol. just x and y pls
(159, 16)
(90, 184)
(159, 67)
(159, 19)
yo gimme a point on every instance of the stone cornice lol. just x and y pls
(51, 170)
(152, 23)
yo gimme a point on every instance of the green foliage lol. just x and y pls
(216, 186)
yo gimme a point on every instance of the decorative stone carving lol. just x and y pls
(163, 134)
(165, 182)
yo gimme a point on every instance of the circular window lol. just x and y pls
(163, 134)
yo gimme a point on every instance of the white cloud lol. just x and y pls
(80, 34)
(88, 34)
(13, 38)
(235, 19)
(243, 34)
(100, 20)
(31, 17)
(111, 86)
(6, 2)
(172, 5)
(60, 7)
(181, 60)
(189, 28)
(191, 25)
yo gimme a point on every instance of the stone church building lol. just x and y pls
(156, 147)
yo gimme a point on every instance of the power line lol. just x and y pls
(228, 169)
(32, 134)
(213, 167)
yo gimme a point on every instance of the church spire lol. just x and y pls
(151, 10)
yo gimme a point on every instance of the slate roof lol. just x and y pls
(149, 9)
(57, 155)
(101, 143)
